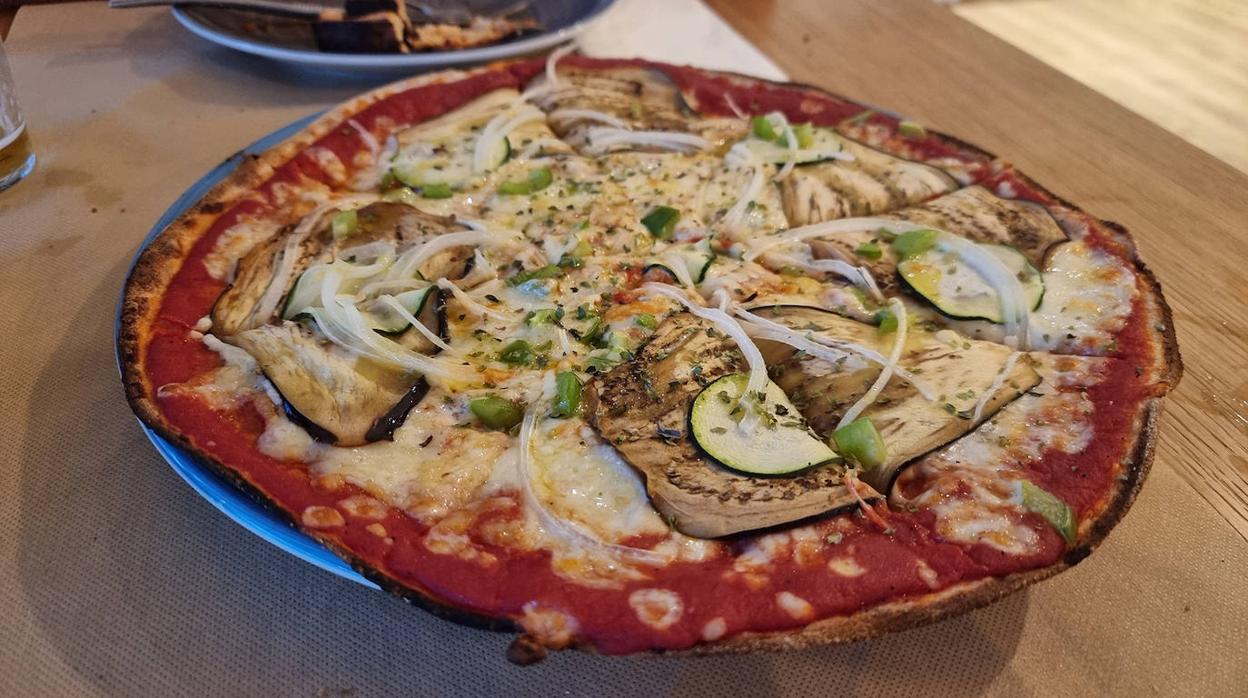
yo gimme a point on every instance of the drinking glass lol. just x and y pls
(17, 158)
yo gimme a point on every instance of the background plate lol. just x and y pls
(291, 40)
(222, 494)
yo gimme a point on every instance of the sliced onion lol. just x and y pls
(552, 62)
(997, 382)
(859, 276)
(743, 156)
(469, 304)
(1014, 308)
(497, 129)
(428, 334)
(388, 287)
(599, 139)
(565, 341)
(899, 344)
(408, 263)
(563, 528)
(316, 215)
(814, 230)
(587, 115)
(343, 324)
(757, 381)
(790, 138)
(366, 137)
(282, 270)
(285, 265)
(371, 251)
(343, 272)
(819, 345)
(676, 263)
(732, 104)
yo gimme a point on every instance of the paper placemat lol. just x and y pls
(116, 579)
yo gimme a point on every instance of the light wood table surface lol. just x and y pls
(1182, 64)
(118, 580)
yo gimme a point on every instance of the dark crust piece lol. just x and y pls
(160, 261)
(380, 32)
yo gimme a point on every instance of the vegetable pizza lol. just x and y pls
(623, 356)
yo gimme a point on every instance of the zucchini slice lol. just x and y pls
(937, 273)
(304, 294)
(823, 145)
(697, 258)
(779, 445)
(386, 320)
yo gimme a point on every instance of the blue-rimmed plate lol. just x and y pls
(290, 40)
(218, 491)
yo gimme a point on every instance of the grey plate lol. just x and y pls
(291, 40)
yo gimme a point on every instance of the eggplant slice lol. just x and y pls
(644, 100)
(642, 408)
(958, 372)
(235, 309)
(979, 215)
(238, 307)
(337, 397)
(872, 183)
(973, 213)
(334, 395)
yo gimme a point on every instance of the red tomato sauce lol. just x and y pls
(710, 589)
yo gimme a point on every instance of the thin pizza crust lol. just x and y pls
(161, 260)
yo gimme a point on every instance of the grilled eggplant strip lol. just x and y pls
(973, 213)
(958, 372)
(638, 98)
(337, 397)
(873, 182)
(643, 99)
(979, 215)
(235, 308)
(350, 401)
(405, 225)
(642, 408)
(238, 307)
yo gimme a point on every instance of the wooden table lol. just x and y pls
(118, 580)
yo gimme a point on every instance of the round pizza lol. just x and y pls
(624, 356)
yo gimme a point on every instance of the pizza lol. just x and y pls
(623, 356)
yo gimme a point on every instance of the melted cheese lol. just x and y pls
(430, 469)
(1087, 298)
(971, 484)
(658, 608)
(1088, 295)
(846, 567)
(714, 629)
(585, 480)
(236, 241)
(794, 605)
(703, 187)
(284, 440)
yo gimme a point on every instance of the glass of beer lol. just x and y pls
(17, 158)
